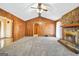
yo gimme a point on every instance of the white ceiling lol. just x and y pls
(25, 12)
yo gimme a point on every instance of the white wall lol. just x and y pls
(58, 30)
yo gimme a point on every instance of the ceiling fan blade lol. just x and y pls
(29, 5)
(34, 8)
(41, 8)
(45, 9)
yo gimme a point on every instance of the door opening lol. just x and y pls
(6, 27)
(35, 29)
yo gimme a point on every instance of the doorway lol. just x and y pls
(59, 30)
(36, 29)
(6, 27)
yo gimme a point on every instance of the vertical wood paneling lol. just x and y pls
(47, 27)
(18, 25)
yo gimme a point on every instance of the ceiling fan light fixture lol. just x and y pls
(40, 8)
(39, 11)
(43, 6)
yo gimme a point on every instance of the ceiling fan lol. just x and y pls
(40, 8)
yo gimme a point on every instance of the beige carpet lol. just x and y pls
(37, 46)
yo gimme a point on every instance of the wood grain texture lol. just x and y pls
(18, 25)
(47, 27)
(19, 29)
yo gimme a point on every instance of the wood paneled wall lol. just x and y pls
(19, 29)
(18, 24)
(47, 27)
(22, 28)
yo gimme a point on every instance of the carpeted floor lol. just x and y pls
(37, 46)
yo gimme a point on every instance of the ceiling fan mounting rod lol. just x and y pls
(39, 7)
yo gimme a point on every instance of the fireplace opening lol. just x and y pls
(70, 38)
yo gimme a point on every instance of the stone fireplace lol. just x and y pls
(71, 38)
(70, 30)
(72, 35)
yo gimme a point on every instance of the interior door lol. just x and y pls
(5, 31)
(8, 32)
(36, 28)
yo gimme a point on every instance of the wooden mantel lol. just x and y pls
(70, 25)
